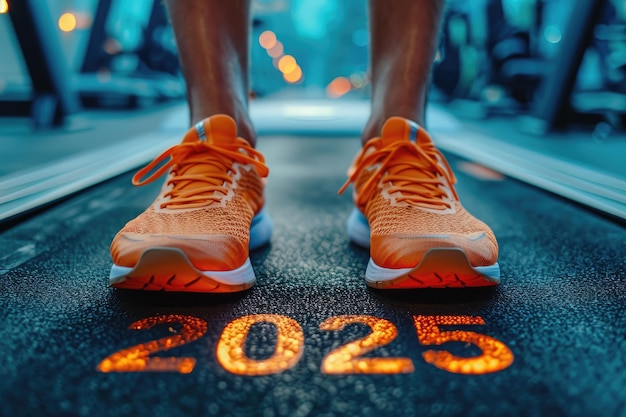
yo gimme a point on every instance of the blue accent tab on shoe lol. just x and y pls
(413, 133)
(200, 131)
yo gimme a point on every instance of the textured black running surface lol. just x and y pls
(561, 309)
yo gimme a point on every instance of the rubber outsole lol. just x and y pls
(439, 268)
(169, 269)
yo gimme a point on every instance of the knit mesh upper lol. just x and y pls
(401, 229)
(214, 233)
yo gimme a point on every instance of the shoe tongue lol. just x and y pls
(215, 130)
(398, 129)
(218, 129)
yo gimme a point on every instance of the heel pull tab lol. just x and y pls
(200, 131)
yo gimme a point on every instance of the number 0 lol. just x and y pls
(231, 346)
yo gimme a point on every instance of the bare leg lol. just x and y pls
(404, 36)
(213, 41)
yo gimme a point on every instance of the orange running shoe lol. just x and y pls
(196, 235)
(408, 211)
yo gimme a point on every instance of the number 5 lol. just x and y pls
(495, 356)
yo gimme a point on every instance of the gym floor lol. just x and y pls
(550, 340)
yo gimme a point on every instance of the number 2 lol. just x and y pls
(347, 358)
(137, 358)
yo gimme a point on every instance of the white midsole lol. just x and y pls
(375, 273)
(242, 275)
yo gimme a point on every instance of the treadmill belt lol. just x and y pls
(310, 339)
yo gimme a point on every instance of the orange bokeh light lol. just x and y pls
(276, 50)
(287, 64)
(267, 39)
(338, 87)
(4, 6)
(293, 76)
(67, 22)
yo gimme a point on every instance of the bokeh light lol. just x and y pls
(267, 39)
(357, 79)
(4, 6)
(276, 50)
(67, 22)
(338, 87)
(293, 76)
(553, 34)
(287, 64)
